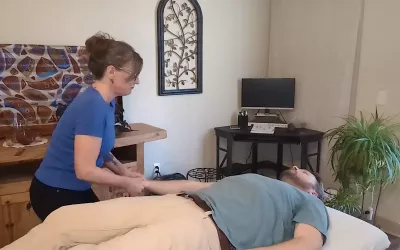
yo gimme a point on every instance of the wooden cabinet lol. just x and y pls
(16, 214)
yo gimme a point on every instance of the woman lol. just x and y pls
(85, 135)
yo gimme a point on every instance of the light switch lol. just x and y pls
(381, 99)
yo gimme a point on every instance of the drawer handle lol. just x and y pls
(28, 206)
(9, 225)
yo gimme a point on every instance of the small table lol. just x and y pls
(281, 136)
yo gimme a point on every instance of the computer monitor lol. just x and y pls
(268, 93)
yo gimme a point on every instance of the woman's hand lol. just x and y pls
(134, 186)
(127, 170)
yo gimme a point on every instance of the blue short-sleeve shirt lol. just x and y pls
(256, 211)
(89, 114)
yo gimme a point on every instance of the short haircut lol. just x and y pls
(318, 186)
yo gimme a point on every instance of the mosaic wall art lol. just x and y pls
(180, 47)
(37, 82)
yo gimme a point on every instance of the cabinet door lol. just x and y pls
(4, 237)
(19, 216)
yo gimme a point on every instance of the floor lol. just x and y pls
(395, 243)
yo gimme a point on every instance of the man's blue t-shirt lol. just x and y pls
(89, 114)
(256, 211)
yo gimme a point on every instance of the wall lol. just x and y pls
(379, 67)
(315, 42)
(344, 56)
(235, 46)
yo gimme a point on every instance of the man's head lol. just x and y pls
(304, 180)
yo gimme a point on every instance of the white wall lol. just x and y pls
(342, 57)
(235, 46)
(315, 42)
(379, 71)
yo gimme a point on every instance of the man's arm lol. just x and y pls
(173, 187)
(306, 237)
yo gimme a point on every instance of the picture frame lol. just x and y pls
(180, 47)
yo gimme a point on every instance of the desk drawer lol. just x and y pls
(15, 187)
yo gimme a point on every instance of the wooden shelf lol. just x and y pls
(142, 133)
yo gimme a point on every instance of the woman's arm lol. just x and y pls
(113, 164)
(174, 187)
(86, 151)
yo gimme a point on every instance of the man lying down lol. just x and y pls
(247, 211)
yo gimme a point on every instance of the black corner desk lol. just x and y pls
(299, 136)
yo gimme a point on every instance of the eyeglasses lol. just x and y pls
(127, 71)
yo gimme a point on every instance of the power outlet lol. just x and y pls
(156, 170)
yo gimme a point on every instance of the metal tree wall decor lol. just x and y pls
(180, 38)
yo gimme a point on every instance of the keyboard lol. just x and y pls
(262, 129)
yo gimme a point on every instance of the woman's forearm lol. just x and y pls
(173, 187)
(100, 176)
(114, 165)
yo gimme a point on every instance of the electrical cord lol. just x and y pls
(290, 145)
(156, 174)
(251, 152)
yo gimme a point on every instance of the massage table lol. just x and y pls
(349, 233)
(166, 222)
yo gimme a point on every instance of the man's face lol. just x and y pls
(300, 178)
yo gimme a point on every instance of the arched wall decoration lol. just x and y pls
(180, 47)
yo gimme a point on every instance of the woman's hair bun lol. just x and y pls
(98, 44)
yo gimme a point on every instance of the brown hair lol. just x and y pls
(317, 186)
(104, 51)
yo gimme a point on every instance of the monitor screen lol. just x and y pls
(268, 93)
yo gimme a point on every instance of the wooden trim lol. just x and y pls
(140, 157)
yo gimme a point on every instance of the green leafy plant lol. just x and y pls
(347, 201)
(365, 153)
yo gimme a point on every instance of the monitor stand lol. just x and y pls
(266, 113)
(267, 118)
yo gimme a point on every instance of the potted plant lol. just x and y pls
(347, 201)
(365, 154)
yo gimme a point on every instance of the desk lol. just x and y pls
(281, 136)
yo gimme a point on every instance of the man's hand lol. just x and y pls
(306, 237)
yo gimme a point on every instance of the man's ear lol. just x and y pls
(312, 192)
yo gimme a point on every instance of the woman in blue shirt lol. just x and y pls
(85, 135)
